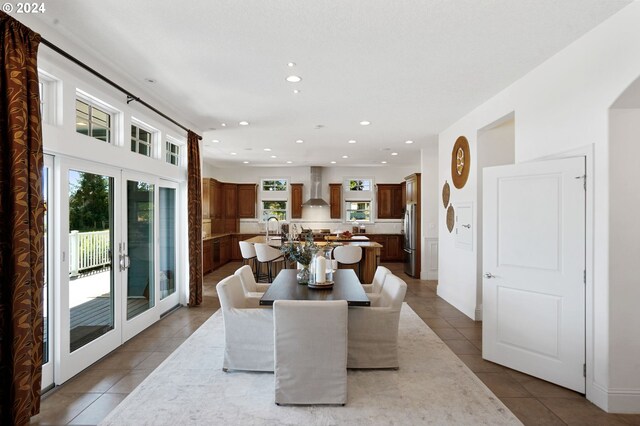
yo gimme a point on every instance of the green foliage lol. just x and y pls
(301, 252)
(89, 203)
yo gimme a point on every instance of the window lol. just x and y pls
(359, 185)
(274, 208)
(141, 140)
(93, 121)
(172, 153)
(358, 210)
(274, 184)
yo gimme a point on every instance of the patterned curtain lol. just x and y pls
(22, 219)
(194, 199)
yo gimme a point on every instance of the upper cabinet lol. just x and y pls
(296, 201)
(390, 204)
(205, 198)
(247, 200)
(231, 220)
(413, 188)
(335, 200)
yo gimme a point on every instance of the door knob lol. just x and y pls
(489, 275)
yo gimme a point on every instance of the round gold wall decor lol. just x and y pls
(451, 218)
(446, 194)
(460, 162)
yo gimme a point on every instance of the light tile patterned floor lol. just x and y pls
(90, 396)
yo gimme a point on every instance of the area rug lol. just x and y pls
(432, 387)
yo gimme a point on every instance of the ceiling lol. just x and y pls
(410, 67)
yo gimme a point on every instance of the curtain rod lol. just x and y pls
(130, 97)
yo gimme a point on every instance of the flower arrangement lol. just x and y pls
(300, 252)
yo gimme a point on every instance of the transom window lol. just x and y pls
(274, 184)
(93, 121)
(141, 140)
(172, 153)
(275, 208)
(358, 210)
(359, 185)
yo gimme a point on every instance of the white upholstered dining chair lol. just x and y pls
(248, 329)
(249, 257)
(310, 351)
(374, 289)
(252, 289)
(373, 331)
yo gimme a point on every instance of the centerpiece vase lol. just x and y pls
(303, 274)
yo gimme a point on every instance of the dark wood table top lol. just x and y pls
(347, 287)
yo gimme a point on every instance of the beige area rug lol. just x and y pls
(431, 387)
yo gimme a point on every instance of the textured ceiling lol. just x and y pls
(410, 67)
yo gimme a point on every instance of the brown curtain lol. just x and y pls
(22, 224)
(194, 199)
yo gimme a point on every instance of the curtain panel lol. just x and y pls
(194, 212)
(22, 229)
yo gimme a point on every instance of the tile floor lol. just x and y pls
(90, 396)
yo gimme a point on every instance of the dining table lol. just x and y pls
(346, 287)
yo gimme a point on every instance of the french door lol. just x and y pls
(117, 260)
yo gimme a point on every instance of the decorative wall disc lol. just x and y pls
(446, 194)
(460, 162)
(451, 218)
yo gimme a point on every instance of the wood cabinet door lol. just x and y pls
(394, 247)
(335, 200)
(230, 200)
(411, 196)
(247, 200)
(207, 256)
(385, 197)
(296, 201)
(225, 250)
(397, 204)
(205, 198)
(235, 248)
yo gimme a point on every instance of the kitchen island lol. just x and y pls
(368, 264)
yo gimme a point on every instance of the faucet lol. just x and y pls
(267, 226)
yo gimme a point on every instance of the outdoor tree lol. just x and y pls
(89, 203)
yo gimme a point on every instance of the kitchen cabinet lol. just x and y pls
(225, 249)
(247, 200)
(207, 256)
(391, 250)
(335, 200)
(231, 220)
(413, 188)
(205, 198)
(390, 201)
(296, 201)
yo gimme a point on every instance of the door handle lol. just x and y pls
(489, 275)
(468, 226)
(124, 262)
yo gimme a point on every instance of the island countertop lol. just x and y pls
(277, 242)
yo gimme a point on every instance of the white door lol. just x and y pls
(534, 269)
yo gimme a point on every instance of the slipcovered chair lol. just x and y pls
(310, 351)
(252, 290)
(249, 256)
(373, 331)
(248, 329)
(348, 255)
(269, 255)
(373, 290)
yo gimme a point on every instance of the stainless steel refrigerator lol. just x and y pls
(410, 240)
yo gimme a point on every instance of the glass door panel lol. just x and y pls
(140, 248)
(47, 361)
(167, 240)
(91, 277)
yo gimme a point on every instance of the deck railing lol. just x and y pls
(87, 251)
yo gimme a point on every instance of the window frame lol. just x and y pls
(169, 154)
(347, 185)
(94, 103)
(270, 191)
(153, 138)
(285, 212)
(49, 87)
(270, 195)
(347, 203)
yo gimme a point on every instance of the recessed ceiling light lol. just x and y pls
(333, 162)
(215, 141)
(291, 64)
(245, 162)
(244, 123)
(289, 162)
(296, 91)
(294, 79)
(394, 153)
(234, 153)
(267, 149)
(223, 124)
(352, 141)
(365, 123)
(383, 162)
(409, 142)
(299, 141)
(273, 156)
(345, 156)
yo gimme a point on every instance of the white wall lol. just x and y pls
(561, 105)
(431, 202)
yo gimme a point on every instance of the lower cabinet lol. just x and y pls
(207, 256)
(392, 246)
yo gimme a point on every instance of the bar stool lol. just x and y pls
(267, 254)
(348, 255)
(249, 256)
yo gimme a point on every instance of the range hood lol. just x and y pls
(316, 189)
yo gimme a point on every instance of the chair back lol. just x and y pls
(247, 279)
(393, 292)
(379, 278)
(231, 293)
(347, 255)
(247, 250)
(266, 253)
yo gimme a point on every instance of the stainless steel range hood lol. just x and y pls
(316, 189)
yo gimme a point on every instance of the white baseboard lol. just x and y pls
(621, 401)
(479, 313)
(429, 275)
(450, 297)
